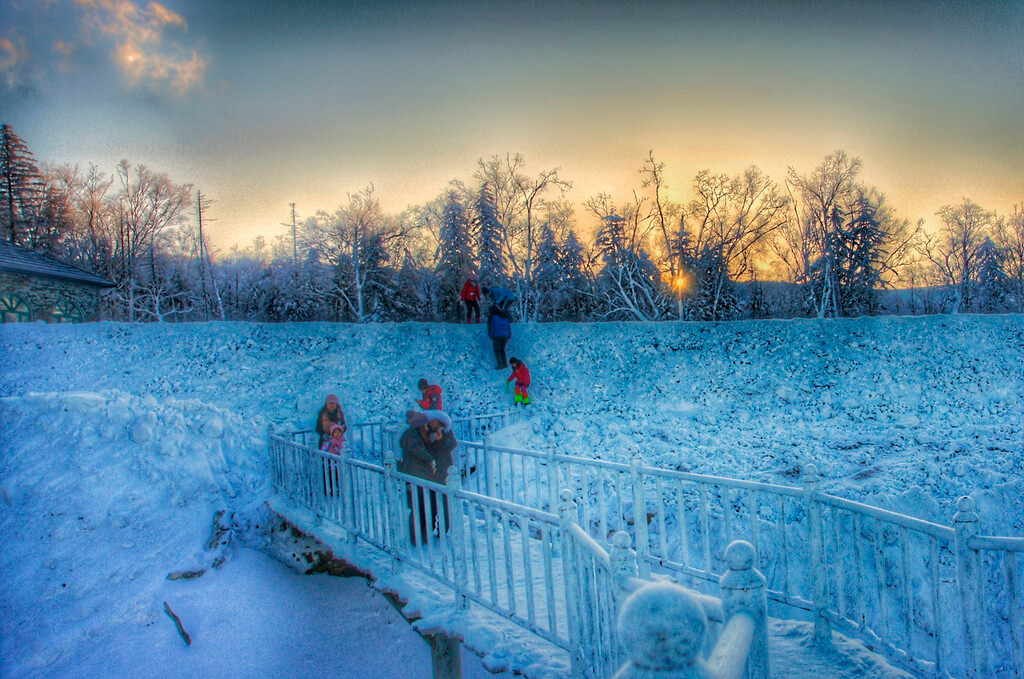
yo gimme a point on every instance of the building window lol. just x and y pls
(13, 309)
(66, 312)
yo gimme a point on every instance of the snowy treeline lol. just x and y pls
(746, 246)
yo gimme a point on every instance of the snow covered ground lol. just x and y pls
(121, 442)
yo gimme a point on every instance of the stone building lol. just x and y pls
(34, 287)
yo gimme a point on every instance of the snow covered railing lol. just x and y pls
(910, 588)
(539, 570)
(601, 581)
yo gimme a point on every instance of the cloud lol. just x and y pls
(14, 60)
(141, 52)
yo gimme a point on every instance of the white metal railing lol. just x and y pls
(940, 600)
(936, 599)
(540, 570)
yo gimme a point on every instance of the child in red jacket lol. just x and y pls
(431, 395)
(521, 374)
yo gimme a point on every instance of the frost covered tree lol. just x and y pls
(147, 203)
(665, 218)
(357, 240)
(520, 201)
(842, 242)
(490, 236)
(455, 257)
(992, 289)
(238, 274)
(955, 250)
(628, 282)
(21, 189)
(727, 225)
(550, 277)
(578, 294)
(1010, 239)
(714, 296)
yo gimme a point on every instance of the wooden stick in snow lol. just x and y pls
(177, 623)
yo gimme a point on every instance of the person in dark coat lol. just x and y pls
(330, 414)
(471, 297)
(499, 329)
(431, 395)
(427, 452)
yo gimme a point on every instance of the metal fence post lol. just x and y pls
(392, 509)
(277, 461)
(623, 562)
(347, 490)
(643, 546)
(317, 485)
(492, 469)
(743, 590)
(567, 517)
(965, 526)
(552, 481)
(819, 583)
(458, 542)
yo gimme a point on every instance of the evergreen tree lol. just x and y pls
(860, 261)
(21, 187)
(456, 258)
(758, 306)
(714, 297)
(576, 300)
(993, 285)
(489, 235)
(549, 277)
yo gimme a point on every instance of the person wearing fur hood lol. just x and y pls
(427, 447)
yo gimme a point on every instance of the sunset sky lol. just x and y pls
(262, 103)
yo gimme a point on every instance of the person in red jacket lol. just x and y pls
(431, 395)
(521, 374)
(471, 298)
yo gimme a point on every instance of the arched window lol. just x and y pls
(66, 312)
(13, 309)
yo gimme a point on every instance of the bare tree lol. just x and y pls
(955, 249)
(148, 202)
(808, 241)
(520, 201)
(1009, 236)
(665, 216)
(729, 223)
(358, 239)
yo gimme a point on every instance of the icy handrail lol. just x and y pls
(662, 626)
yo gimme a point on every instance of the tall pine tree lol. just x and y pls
(577, 298)
(993, 285)
(548, 276)
(21, 186)
(456, 257)
(489, 237)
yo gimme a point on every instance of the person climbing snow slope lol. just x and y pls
(521, 374)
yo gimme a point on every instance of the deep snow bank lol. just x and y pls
(106, 493)
(904, 412)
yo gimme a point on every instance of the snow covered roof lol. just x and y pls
(16, 259)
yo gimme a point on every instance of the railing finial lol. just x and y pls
(567, 506)
(622, 558)
(662, 627)
(811, 474)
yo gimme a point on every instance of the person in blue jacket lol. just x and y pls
(499, 329)
(500, 297)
